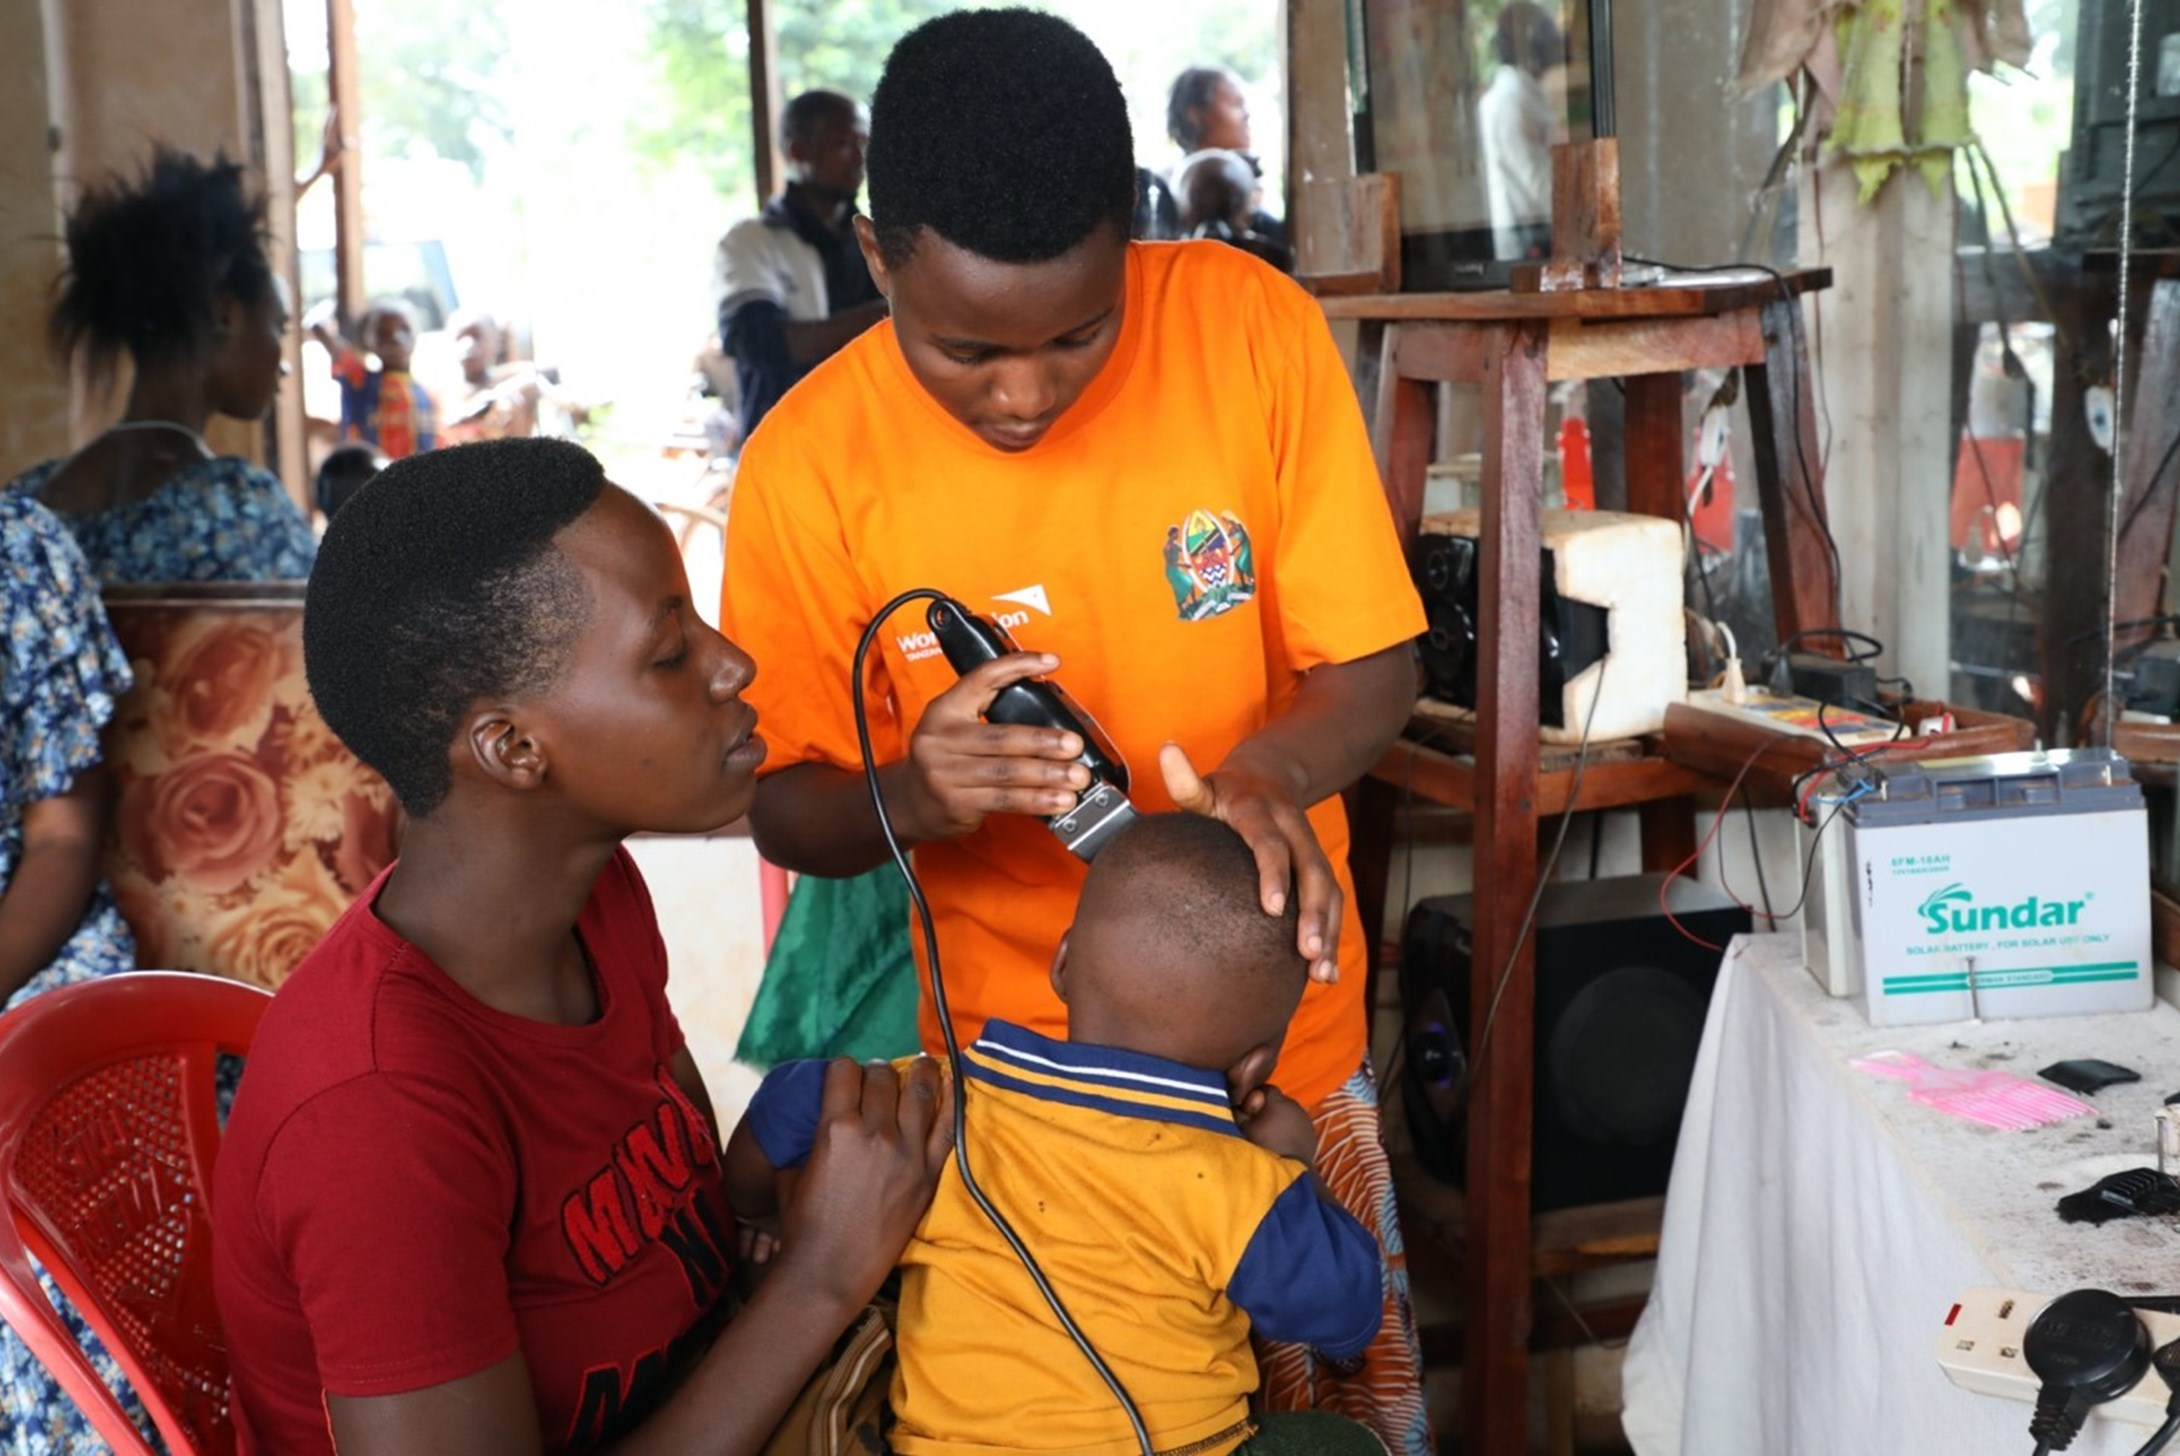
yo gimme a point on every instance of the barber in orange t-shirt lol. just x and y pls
(1146, 460)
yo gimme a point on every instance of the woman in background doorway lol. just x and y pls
(171, 272)
(1207, 111)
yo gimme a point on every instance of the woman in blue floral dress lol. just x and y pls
(171, 272)
(60, 674)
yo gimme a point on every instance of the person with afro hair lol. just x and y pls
(169, 272)
(1146, 461)
(470, 1196)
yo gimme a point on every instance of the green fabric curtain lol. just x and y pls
(840, 981)
(1874, 129)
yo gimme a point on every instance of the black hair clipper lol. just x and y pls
(969, 641)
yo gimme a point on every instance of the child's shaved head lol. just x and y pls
(1171, 951)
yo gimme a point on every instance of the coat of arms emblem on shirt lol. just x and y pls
(1209, 565)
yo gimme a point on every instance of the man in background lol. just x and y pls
(790, 285)
(1518, 126)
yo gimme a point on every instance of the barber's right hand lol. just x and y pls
(961, 768)
(882, 1140)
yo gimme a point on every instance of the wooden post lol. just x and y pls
(764, 100)
(1656, 476)
(2077, 492)
(1585, 221)
(345, 87)
(1654, 430)
(2153, 434)
(269, 124)
(1320, 128)
(1502, 982)
(1781, 396)
(1371, 805)
(1406, 414)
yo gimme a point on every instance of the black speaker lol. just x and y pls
(1621, 999)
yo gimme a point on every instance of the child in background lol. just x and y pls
(1217, 192)
(383, 407)
(1162, 1184)
(343, 472)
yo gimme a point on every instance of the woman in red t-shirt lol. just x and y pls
(470, 1194)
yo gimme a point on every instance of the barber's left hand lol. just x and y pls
(1264, 812)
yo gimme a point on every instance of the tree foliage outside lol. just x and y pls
(433, 76)
(436, 73)
(2025, 120)
(700, 59)
(700, 49)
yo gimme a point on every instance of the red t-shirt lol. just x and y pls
(415, 1186)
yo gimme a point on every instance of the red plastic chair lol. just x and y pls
(108, 1135)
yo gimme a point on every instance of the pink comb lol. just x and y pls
(1995, 1099)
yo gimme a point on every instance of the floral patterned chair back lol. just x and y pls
(242, 827)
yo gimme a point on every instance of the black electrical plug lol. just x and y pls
(2086, 1348)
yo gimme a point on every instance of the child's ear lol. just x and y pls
(1059, 968)
(1251, 1072)
(507, 755)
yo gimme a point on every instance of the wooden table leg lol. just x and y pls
(1781, 394)
(1668, 833)
(1656, 476)
(1502, 986)
(2076, 502)
(2153, 438)
(1371, 804)
(1401, 435)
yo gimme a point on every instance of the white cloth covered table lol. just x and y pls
(1820, 1224)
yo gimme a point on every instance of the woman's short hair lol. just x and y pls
(440, 584)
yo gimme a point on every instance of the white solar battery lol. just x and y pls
(2011, 885)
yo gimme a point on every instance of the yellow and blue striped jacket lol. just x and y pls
(1166, 1233)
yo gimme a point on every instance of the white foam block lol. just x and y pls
(1631, 566)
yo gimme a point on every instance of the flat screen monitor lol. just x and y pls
(2091, 184)
(1465, 100)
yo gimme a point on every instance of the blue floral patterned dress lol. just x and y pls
(220, 519)
(59, 677)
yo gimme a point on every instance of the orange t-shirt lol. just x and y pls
(1202, 527)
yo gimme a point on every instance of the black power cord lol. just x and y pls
(1793, 316)
(2166, 1362)
(2086, 1348)
(946, 1024)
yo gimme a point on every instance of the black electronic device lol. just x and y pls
(2092, 175)
(1571, 635)
(1102, 811)
(1823, 679)
(2149, 679)
(1620, 1002)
